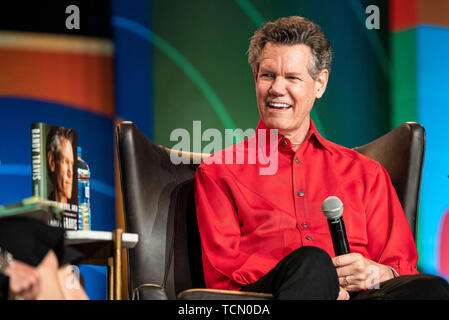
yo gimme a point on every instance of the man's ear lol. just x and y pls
(321, 83)
(51, 161)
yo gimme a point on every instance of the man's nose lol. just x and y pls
(278, 87)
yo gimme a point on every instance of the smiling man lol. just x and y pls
(267, 233)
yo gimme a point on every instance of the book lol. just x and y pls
(54, 169)
(33, 207)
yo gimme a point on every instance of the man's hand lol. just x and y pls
(343, 294)
(357, 273)
(24, 281)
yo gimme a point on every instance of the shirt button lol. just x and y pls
(305, 225)
(297, 160)
(309, 238)
(300, 193)
(284, 143)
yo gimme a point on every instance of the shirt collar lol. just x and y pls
(312, 134)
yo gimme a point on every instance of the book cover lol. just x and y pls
(54, 170)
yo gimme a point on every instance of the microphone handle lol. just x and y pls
(339, 239)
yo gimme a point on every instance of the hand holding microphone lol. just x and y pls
(332, 209)
(354, 271)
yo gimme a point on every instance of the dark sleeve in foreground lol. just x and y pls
(29, 240)
(4, 286)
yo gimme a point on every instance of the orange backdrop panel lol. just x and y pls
(83, 81)
(405, 14)
(435, 12)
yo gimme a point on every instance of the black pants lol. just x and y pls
(308, 273)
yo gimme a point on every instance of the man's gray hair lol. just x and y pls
(290, 31)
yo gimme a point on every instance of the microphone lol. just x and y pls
(332, 208)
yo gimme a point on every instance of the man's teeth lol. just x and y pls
(278, 105)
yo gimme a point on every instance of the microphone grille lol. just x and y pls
(332, 208)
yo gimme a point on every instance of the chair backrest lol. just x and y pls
(158, 202)
(401, 153)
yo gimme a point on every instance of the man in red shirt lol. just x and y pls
(264, 230)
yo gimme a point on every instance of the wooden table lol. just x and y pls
(104, 248)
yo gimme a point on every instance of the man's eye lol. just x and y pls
(267, 75)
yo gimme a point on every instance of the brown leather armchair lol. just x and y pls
(158, 203)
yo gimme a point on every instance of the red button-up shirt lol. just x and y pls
(248, 222)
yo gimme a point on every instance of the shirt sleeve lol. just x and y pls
(390, 240)
(225, 266)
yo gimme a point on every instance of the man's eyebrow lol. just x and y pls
(265, 69)
(288, 73)
(294, 73)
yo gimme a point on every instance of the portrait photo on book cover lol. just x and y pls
(61, 166)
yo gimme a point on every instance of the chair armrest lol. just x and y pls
(214, 294)
(149, 291)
